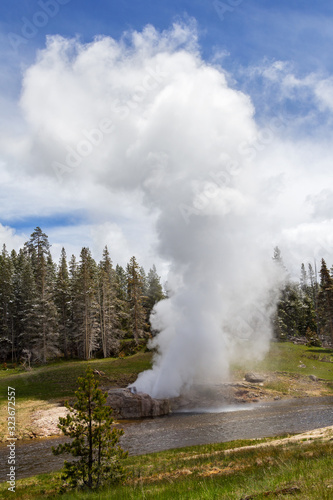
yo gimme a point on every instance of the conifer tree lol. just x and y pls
(38, 248)
(135, 290)
(94, 441)
(122, 303)
(154, 289)
(325, 301)
(87, 304)
(7, 340)
(62, 300)
(45, 327)
(304, 279)
(121, 279)
(24, 301)
(75, 310)
(109, 320)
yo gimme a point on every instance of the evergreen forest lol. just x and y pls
(73, 309)
(83, 309)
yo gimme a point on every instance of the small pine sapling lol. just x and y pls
(94, 443)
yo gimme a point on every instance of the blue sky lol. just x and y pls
(249, 32)
(277, 53)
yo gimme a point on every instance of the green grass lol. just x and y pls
(208, 472)
(287, 357)
(58, 380)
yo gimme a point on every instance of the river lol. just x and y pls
(186, 429)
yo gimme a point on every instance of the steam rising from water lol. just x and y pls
(216, 315)
(185, 139)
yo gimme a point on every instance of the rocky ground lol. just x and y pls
(44, 422)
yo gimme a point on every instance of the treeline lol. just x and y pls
(76, 309)
(305, 308)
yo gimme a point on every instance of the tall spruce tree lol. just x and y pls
(135, 293)
(44, 329)
(154, 291)
(24, 302)
(75, 310)
(7, 339)
(122, 303)
(87, 304)
(325, 301)
(304, 279)
(62, 300)
(109, 321)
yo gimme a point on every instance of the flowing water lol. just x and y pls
(199, 426)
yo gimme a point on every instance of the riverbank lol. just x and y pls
(288, 371)
(280, 467)
(41, 392)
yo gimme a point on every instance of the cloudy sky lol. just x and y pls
(120, 119)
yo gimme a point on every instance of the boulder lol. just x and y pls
(126, 403)
(254, 378)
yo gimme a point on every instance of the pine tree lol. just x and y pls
(38, 248)
(87, 304)
(313, 293)
(94, 442)
(122, 283)
(122, 303)
(62, 300)
(24, 302)
(45, 327)
(7, 340)
(109, 320)
(154, 291)
(304, 279)
(135, 290)
(325, 301)
(75, 310)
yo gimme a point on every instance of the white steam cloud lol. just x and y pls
(147, 115)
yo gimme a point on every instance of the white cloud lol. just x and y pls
(324, 93)
(9, 238)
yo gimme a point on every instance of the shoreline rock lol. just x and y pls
(128, 404)
(254, 378)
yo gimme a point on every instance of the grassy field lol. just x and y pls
(232, 471)
(288, 367)
(58, 380)
(287, 357)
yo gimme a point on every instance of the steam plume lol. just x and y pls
(151, 116)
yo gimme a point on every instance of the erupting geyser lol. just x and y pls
(163, 123)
